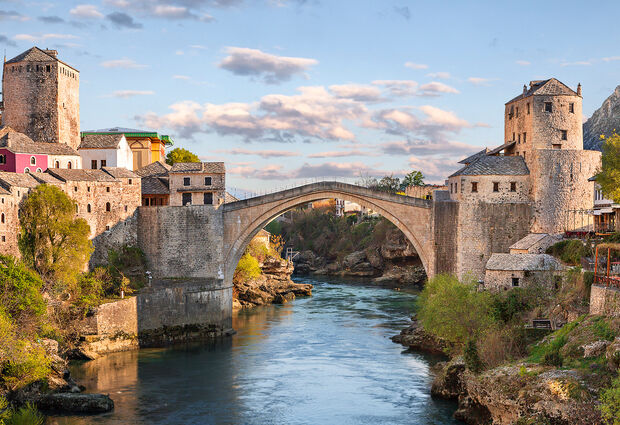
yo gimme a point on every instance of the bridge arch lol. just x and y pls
(244, 219)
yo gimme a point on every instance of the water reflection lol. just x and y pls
(320, 360)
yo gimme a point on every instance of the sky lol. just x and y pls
(287, 91)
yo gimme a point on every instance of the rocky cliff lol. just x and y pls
(604, 120)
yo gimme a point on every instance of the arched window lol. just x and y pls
(69, 165)
(108, 207)
(26, 170)
(2, 159)
(88, 208)
(33, 160)
(57, 164)
(2, 218)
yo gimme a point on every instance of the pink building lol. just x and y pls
(19, 154)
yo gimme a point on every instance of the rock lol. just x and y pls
(75, 403)
(353, 259)
(50, 345)
(612, 354)
(284, 298)
(604, 120)
(374, 258)
(448, 382)
(417, 339)
(595, 349)
(397, 246)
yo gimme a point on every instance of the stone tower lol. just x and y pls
(40, 96)
(544, 126)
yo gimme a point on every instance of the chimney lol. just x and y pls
(52, 53)
(524, 89)
(579, 89)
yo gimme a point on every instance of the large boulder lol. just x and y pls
(353, 259)
(417, 339)
(75, 403)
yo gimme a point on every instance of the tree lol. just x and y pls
(53, 241)
(388, 184)
(609, 177)
(181, 155)
(414, 178)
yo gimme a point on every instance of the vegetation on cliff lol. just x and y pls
(609, 177)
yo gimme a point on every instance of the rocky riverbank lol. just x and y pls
(273, 286)
(393, 261)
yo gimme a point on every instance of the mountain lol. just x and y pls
(604, 120)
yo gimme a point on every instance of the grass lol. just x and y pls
(554, 343)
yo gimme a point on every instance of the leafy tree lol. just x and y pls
(609, 177)
(388, 184)
(53, 241)
(20, 295)
(248, 268)
(610, 403)
(414, 178)
(181, 155)
(453, 310)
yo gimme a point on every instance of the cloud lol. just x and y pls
(123, 20)
(478, 81)
(125, 94)
(86, 11)
(435, 169)
(359, 92)
(414, 65)
(313, 113)
(611, 58)
(198, 46)
(440, 75)
(43, 37)
(268, 172)
(399, 88)
(435, 88)
(169, 11)
(124, 63)
(403, 11)
(306, 171)
(51, 19)
(12, 16)
(181, 77)
(262, 153)
(273, 69)
(5, 40)
(427, 148)
(523, 63)
(340, 154)
(576, 63)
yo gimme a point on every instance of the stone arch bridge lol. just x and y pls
(192, 251)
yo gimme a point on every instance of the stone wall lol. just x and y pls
(547, 126)
(518, 124)
(605, 301)
(485, 186)
(445, 229)
(198, 188)
(485, 228)
(68, 105)
(10, 227)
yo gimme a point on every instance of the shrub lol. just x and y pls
(610, 403)
(569, 251)
(502, 343)
(20, 295)
(508, 305)
(453, 310)
(129, 262)
(472, 359)
(248, 268)
(553, 358)
(25, 415)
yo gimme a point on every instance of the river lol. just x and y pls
(325, 359)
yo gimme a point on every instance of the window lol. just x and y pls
(57, 164)
(107, 228)
(571, 108)
(519, 139)
(474, 187)
(208, 198)
(108, 207)
(3, 238)
(48, 68)
(93, 164)
(524, 137)
(513, 137)
(125, 208)
(456, 187)
(33, 160)
(548, 107)
(107, 188)
(103, 163)
(186, 181)
(2, 218)
(75, 188)
(556, 146)
(528, 108)
(88, 188)
(515, 281)
(523, 155)
(187, 199)
(26, 170)
(130, 181)
(2, 159)
(517, 114)
(69, 165)
(495, 186)
(513, 186)
(564, 134)
(88, 208)
(208, 181)
(512, 111)
(451, 187)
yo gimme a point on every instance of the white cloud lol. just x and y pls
(86, 11)
(523, 63)
(360, 92)
(340, 154)
(125, 63)
(124, 94)
(261, 153)
(611, 58)
(440, 75)
(273, 69)
(181, 77)
(428, 147)
(43, 37)
(576, 63)
(414, 65)
(435, 169)
(399, 88)
(435, 88)
(478, 81)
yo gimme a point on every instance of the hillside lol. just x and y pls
(604, 120)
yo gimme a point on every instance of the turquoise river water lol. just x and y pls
(325, 359)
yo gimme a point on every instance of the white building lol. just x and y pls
(105, 150)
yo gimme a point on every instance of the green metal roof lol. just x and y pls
(151, 134)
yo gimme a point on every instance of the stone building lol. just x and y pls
(506, 271)
(40, 97)
(20, 154)
(424, 191)
(197, 183)
(155, 184)
(146, 146)
(105, 150)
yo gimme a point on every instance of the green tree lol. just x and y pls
(414, 178)
(53, 241)
(20, 295)
(181, 155)
(388, 184)
(610, 403)
(453, 310)
(609, 177)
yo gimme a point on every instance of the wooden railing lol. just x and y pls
(607, 281)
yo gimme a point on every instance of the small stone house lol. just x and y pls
(534, 243)
(105, 150)
(155, 184)
(197, 183)
(506, 271)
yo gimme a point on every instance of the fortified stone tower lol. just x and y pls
(41, 97)
(544, 126)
